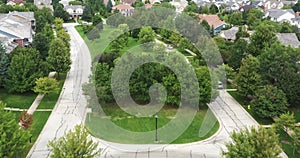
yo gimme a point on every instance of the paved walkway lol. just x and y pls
(70, 108)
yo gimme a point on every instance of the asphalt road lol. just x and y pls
(230, 115)
(70, 108)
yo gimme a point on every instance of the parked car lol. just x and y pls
(220, 85)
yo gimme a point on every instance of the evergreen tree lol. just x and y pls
(4, 64)
(24, 69)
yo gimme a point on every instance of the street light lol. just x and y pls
(156, 126)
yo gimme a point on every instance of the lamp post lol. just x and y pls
(156, 126)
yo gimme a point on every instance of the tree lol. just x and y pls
(296, 7)
(254, 17)
(4, 64)
(119, 40)
(205, 10)
(98, 22)
(48, 32)
(25, 119)
(59, 57)
(74, 144)
(263, 37)
(59, 12)
(13, 138)
(269, 101)
(42, 17)
(286, 27)
(205, 24)
(213, 9)
(146, 34)
(109, 6)
(87, 13)
(236, 18)
(41, 43)
(238, 52)
(248, 79)
(285, 121)
(24, 68)
(192, 7)
(259, 142)
(46, 85)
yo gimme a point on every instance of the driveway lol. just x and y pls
(70, 108)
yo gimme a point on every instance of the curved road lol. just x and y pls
(70, 111)
(70, 108)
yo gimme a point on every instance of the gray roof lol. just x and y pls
(74, 7)
(276, 13)
(229, 34)
(17, 25)
(8, 44)
(288, 39)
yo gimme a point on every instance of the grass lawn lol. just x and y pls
(22, 101)
(286, 143)
(144, 124)
(245, 102)
(97, 46)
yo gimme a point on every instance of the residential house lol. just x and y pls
(43, 3)
(75, 11)
(124, 9)
(17, 27)
(288, 39)
(179, 5)
(296, 21)
(213, 21)
(271, 4)
(8, 44)
(130, 2)
(229, 34)
(16, 2)
(280, 15)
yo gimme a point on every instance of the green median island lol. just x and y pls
(171, 122)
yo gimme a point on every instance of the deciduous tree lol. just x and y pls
(14, 140)
(4, 64)
(269, 102)
(24, 68)
(59, 59)
(248, 79)
(74, 144)
(46, 85)
(259, 142)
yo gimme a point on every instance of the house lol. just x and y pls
(8, 44)
(213, 21)
(229, 34)
(280, 15)
(16, 2)
(271, 4)
(43, 3)
(17, 27)
(296, 21)
(288, 39)
(130, 2)
(124, 9)
(75, 11)
(179, 5)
